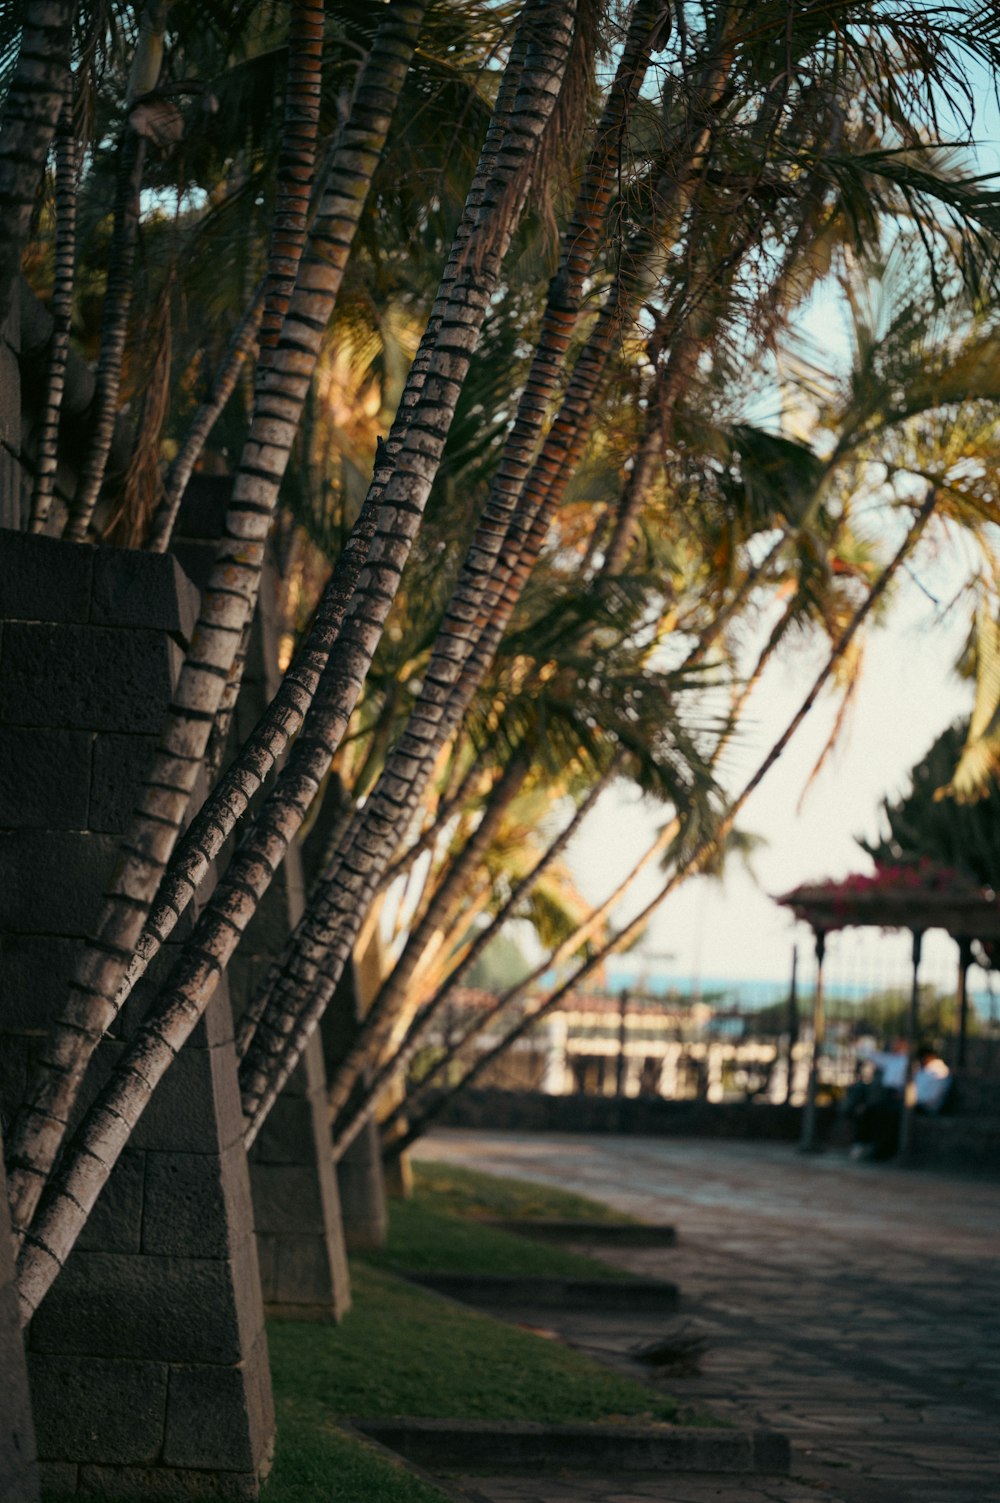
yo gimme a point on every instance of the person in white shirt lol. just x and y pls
(932, 1081)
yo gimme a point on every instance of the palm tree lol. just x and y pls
(226, 606)
(495, 202)
(36, 93)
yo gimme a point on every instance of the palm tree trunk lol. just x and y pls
(47, 445)
(31, 109)
(296, 168)
(705, 849)
(281, 722)
(339, 906)
(351, 1124)
(227, 603)
(381, 1017)
(176, 481)
(147, 64)
(428, 727)
(497, 200)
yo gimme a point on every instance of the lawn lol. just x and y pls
(466, 1192)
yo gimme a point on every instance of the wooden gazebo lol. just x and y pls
(917, 896)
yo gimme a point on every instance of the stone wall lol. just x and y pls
(18, 1455)
(297, 1209)
(148, 1359)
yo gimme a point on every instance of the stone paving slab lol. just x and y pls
(855, 1307)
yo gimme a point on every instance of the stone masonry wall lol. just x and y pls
(297, 1211)
(18, 1458)
(148, 1359)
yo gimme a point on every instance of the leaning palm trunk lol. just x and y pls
(281, 722)
(701, 855)
(227, 604)
(296, 167)
(322, 943)
(175, 483)
(430, 724)
(146, 67)
(353, 1121)
(31, 109)
(492, 214)
(382, 1015)
(47, 447)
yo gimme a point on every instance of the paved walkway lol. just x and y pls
(854, 1306)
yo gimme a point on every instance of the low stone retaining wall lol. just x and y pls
(963, 1142)
(532, 1111)
(513, 1446)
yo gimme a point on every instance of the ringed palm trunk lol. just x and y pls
(227, 604)
(281, 722)
(341, 902)
(353, 1120)
(47, 446)
(443, 700)
(34, 99)
(381, 1017)
(427, 731)
(492, 216)
(176, 480)
(118, 288)
(706, 848)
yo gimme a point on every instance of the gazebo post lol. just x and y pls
(912, 1033)
(964, 962)
(810, 1135)
(793, 1022)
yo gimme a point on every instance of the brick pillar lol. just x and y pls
(148, 1360)
(18, 1461)
(297, 1210)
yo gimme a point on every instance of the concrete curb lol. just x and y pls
(539, 1291)
(523, 1446)
(611, 1233)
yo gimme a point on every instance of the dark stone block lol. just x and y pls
(304, 1277)
(115, 1223)
(16, 1055)
(34, 972)
(148, 1309)
(208, 1419)
(166, 1484)
(147, 590)
(185, 1197)
(285, 1195)
(10, 398)
(11, 490)
(362, 1192)
(269, 928)
(51, 882)
(287, 1135)
(44, 779)
(18, 1470)
(59, 1479)
(95, 1409)
(203, 510)
(120, 764)
(89, 677)
(197, 1108)
(43, 579)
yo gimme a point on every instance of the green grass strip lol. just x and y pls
(401, 1351)
(466, 1192)
(424, 1240)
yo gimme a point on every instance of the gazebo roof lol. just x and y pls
(917, 896)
